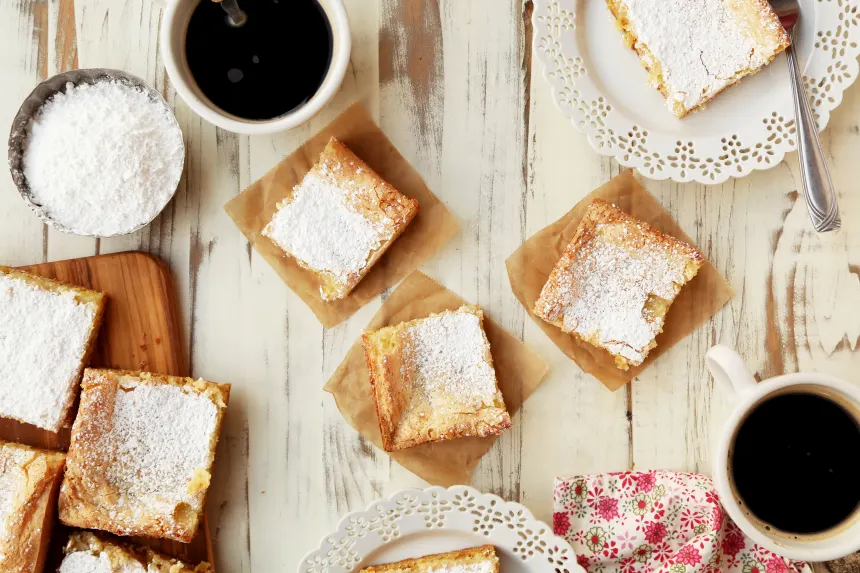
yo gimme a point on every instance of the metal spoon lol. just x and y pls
(236, 17)
(814, 174)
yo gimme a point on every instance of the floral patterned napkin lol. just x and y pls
(656, 522)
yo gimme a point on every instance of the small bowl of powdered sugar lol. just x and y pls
(96, 152)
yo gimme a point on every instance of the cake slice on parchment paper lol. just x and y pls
(433, 379)
(615, 282)
(339, 220)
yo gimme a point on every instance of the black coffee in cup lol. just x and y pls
(268, 67)
(795, 462)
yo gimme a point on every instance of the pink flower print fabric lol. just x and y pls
(655, 522)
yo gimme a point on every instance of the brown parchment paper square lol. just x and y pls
(519, 371)
(434, 225)
(529, 268)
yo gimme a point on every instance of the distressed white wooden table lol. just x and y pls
(452, 84)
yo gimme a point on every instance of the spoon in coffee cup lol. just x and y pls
(236, 17)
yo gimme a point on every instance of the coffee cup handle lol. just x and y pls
(729, 370)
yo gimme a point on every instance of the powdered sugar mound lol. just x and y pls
(162, 437)
(43, 338)
(103, 159)
(322, 230)
(614, 284)
(448, 353)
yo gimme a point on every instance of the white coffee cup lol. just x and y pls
(729, 370)
(174, 26)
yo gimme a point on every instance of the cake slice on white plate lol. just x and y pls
(481, 559)
(694, 49)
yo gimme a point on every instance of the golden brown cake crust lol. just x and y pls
(30, 523)
(88, 499)
(83, 295)
(605, 222)
(469, 556)
(388, 404)
(399, 208)
(369, 195)
(383, 351)
(122, 554)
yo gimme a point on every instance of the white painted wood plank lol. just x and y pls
(216, 347)
(306, 465)
(573, 424)
(411, 112)
(816, 286)
(22, 31)
(456, 109)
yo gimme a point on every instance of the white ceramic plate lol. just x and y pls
(600, 84)
(413, 523)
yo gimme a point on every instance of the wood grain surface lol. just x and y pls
(453, 86)
(140, 332)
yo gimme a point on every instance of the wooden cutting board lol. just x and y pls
(141, 331)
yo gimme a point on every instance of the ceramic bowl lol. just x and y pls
(30, 107)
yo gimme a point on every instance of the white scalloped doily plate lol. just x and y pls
(599, 83)
(413, 523)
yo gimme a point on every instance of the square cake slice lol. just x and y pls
(433, 379)
(48, 330)
(481, 559)
(141, 454)
(86, 552)
(29, 479)
(694, 49)
(340, 220)
(615, 283)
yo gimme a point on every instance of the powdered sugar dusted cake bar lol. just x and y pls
(694, 49)
(339, 220)
(141, 455)
(87, 552)
(615, 283)
(47, 332)
(473, 560)
(28, 500)
(433, 379)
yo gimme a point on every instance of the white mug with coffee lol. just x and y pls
(274, 72)
(787, 464)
